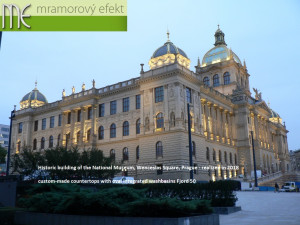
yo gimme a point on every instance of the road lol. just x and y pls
(265, 208)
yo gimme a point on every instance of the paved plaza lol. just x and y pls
(265, 208)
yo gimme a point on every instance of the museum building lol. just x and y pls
(143, 121)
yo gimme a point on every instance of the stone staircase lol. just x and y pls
(281, 180)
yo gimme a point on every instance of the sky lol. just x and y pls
(264, 33)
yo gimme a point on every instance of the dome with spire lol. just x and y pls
(220, 52)
(168, 54)
(33, 99)
(274, 117)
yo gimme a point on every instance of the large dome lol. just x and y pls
(274, 117)
(168, 48)
(168, 54)
(220, 52)
(33, 99)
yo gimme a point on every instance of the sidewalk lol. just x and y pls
(265, 208)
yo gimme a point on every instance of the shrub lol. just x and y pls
(113, 201)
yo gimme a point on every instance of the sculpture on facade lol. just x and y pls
(257, 94)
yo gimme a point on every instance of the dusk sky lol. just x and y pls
(264, 33)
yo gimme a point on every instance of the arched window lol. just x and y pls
(226, 77)
(159, 149)
(193, 148)
(18, 146)
(88, 135)
(216, 80)
(206, 81)
(34, 144)
(172, 119)
(125, 154)
(125, 128)
(42, 143)
(112, 154)
(160, 120)
(51, 141)
(137, 151)
(78, 137)
(214, 155)
(225, 157)
(113, 130)
(207, 153)
(101, 133)
(235, 159)
(230, 158)
(138, 126)
(220, 156)
(58, 140)
(68, 137)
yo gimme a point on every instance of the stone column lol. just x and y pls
(83, 118)
(73, 121)
(166, 108)
(94, 127)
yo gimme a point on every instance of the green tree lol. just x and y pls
(66, 163)
(26, 162)
(3, 154)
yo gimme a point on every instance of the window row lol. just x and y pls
(43, 142)
(113, 129)
(125, 106)
(216, 80)
(44, 123)
(220, 158)
(125, 152)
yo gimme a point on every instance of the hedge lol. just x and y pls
(114, 201)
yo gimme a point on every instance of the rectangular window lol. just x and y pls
(159, 170)
(126, 104)
(4, 129)
(44, 123)
(101, 110)
(79, 115)
(113, 107)
(188, 95)
(59, 120)
(52, 121)
(89, 113)
(20, 127)
(159, 94)
(69, 118)
(36, 125)
(138, 101)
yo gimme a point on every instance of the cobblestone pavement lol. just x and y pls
(265, 208)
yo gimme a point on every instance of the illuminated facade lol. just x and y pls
(143, 121)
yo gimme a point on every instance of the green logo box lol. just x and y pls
(70, 15)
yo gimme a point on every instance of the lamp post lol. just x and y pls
(254, 162)
(12, 115)
(190, 142)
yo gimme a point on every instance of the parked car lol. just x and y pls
(37, 174)
(123, 180)
(291, 186)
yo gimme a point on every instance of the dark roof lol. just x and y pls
(34, 95)
(168, 47)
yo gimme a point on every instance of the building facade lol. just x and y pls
(4, 135)
(143, 121)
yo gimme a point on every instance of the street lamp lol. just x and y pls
(254, 162)
(190, 142)
(12, 115)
